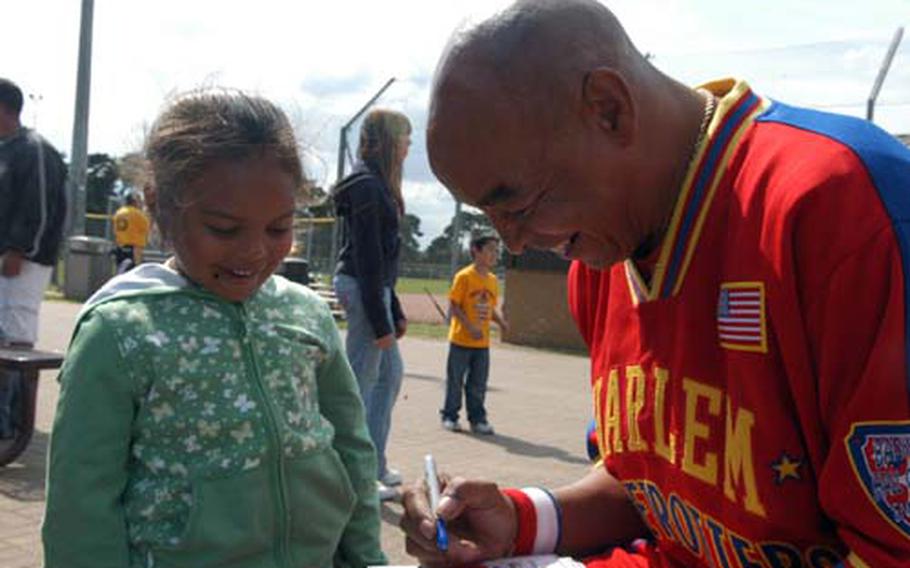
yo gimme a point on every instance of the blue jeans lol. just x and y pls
(378, 371)
(475, 361)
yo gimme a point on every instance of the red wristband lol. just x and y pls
(527, 521)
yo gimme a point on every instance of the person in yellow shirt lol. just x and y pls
(131, 231)
(472, 303)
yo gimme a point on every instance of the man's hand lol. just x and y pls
(481, 521)
(385, 342)
(401, 328)
(12, 263)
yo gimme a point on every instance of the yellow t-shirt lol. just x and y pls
(478, 296)
(131, 227)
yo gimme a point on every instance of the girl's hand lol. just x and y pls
(481, 521)
(385, 342)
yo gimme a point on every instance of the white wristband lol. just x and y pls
(548, 521)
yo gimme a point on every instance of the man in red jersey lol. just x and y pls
(739, 276)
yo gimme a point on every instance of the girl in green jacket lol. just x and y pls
(207, 414)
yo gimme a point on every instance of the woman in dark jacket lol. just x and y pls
(370, 205)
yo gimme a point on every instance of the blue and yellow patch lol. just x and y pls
(880, 455)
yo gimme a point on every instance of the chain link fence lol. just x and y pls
(313, 242)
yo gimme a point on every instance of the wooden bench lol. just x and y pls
(28, 363)
(327, 293)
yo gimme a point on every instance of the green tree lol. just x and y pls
(101, 178)
(439, 249)
(410, 231)
(102, 174)
(474, 222)
(131, 168)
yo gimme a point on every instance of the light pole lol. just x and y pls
(79, 148)
(342, 154)
(882, 72)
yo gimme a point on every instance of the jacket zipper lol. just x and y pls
(283, 520)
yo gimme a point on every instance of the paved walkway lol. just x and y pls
(537, 401)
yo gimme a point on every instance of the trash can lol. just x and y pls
(296, 269)
(88, 265)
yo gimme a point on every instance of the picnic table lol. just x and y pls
(28, 363)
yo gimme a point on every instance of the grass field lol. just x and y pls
(420, 285)
(430, 330)
(435, 286)
(405, 285)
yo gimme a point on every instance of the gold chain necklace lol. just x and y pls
(710, 105)
(655, 239)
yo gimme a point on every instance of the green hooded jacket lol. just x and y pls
(194, 432)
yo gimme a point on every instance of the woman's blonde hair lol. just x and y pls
(380, 136)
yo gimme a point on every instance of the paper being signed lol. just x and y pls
(539, 561)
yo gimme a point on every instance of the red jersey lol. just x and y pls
(753, 395)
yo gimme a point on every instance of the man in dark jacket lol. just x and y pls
(32, 211)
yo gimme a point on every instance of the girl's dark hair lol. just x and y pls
(202, 127)
(380, 136)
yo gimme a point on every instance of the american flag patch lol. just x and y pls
(741, 316)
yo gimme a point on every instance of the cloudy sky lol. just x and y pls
(322, 59)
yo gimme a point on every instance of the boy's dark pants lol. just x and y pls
(475, 361)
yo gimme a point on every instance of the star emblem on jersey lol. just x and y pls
(787, 468)
(880, 455)
(741, 321)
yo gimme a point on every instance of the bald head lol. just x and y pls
(526, 64)
(557, 36)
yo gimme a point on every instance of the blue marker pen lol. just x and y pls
(442, 536)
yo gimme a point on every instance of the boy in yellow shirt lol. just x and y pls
(131, 231)
(472, 304)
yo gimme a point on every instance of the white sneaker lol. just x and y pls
(391, 478)
(451, 425)
(386, 493)
(483, 428)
